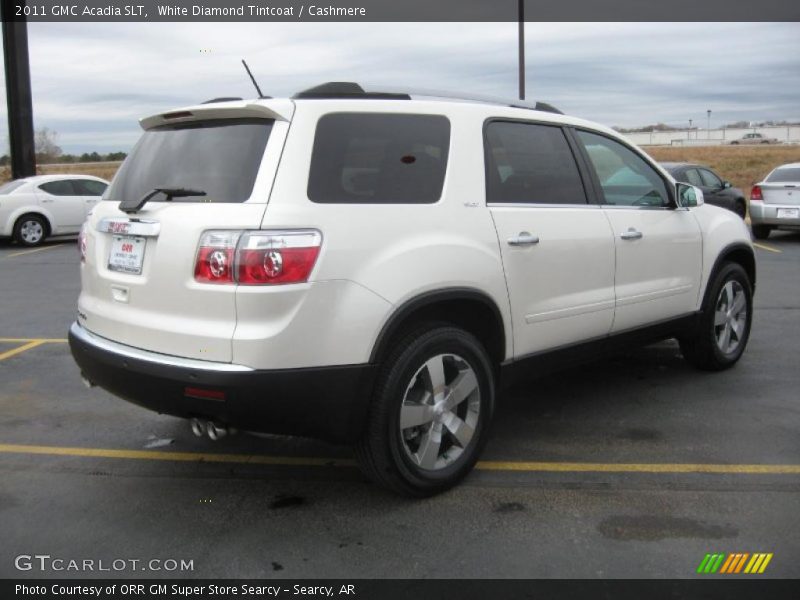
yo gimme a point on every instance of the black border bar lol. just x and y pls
(402, 10)
(730, 588)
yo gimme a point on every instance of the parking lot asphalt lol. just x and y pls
(635, 466)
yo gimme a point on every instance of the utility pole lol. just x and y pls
(521, 36)
(689, 133)
(18, 93)
(708, 126)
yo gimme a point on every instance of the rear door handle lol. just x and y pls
(523, 239)
(631, 234)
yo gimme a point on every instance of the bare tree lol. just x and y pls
(47, 150)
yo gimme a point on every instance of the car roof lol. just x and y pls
(37, 179)
(789, 166)
(350, 96)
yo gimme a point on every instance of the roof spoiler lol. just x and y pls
(280, 110)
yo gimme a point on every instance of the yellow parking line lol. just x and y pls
(638, 468)
(768, 248)
(256, 459)
(20, 349)
(32, 250)
(253, 459)
(43, 340)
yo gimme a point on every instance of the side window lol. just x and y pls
(59, 188)
(693, 177)
(625, 177)
(89, 187)
(377, 158)
(709, 179)
(530, 163)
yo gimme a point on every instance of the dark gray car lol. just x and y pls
(715, 189)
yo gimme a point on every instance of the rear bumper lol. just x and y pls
(767, 214)
(328, 403)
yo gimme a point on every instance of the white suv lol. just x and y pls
(371, 268)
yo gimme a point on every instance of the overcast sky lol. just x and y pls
(92, 81)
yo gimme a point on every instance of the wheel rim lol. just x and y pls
(31, 231)
(440, 412)
(730, 317)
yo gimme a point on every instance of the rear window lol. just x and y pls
(219, 157)
(377, 158)
(789, 174)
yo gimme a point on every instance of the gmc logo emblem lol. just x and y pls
(117, 227)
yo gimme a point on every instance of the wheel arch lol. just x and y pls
(24, 212)
(468, 308)
(739, 253)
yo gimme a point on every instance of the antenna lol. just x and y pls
(253, 79)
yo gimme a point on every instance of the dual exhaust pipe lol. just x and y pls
(215, 431)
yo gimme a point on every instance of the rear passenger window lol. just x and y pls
(61, 187)
(89, 187)
(693, 177)
(530, 163)
(377, 158)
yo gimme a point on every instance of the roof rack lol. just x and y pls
(346, 89)
(223, 99)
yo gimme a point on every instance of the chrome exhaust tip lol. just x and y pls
(87, 382)
(216, 431)
(198, 427)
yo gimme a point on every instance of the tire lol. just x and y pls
(761, 232)
(30, 230)
(723, 330)
(740, 208)
(409, 460)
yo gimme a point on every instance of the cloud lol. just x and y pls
(93, 81)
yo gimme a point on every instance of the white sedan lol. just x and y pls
(35, 208)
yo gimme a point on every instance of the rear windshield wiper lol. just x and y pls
(131, 206)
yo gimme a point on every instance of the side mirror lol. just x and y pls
(726, 184)
(688, 195)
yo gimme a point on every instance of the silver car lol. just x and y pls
(755, 138)
(775, 201)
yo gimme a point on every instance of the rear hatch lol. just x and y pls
(217, 164)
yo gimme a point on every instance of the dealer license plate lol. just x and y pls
(788, 213)
(127, 254)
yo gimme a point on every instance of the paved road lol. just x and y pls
(259, 518)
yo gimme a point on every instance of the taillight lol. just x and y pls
(82, 242)
(257, 257)
(276, 257)
(215, 257)
(755, 194)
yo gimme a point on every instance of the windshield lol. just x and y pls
(220, 157)
(789, 174)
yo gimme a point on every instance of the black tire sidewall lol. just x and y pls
(18, 230)
(438, 341)
(728, 272)
(761, 232)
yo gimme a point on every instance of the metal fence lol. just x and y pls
(788, 134)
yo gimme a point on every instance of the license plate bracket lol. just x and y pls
(788, 213)
(127, 254)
